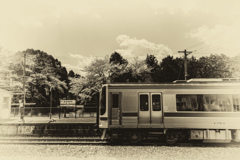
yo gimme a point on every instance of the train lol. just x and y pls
(202, 110)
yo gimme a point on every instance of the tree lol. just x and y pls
(5, 71)
(234, 66)
(76, 85)
(214, 66)
(171, 69)
(119, 71)
(97, 75)
(116, 58)
(140, 71)
(193, 68)
(42, 73)
(152, 63)
(71, 73)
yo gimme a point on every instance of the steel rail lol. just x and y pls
(98, 141)
(53, 141)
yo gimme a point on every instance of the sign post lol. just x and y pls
(68, 103)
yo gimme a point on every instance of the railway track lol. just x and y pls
(52, 141)
(98, 141)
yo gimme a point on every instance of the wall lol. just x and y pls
(5, 104)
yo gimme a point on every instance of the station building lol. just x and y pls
(5, 102)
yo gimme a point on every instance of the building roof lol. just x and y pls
(7, 88)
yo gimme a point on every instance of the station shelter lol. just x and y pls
(5, 102)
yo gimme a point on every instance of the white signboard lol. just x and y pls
(67, 103)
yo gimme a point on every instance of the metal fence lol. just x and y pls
(56, 112)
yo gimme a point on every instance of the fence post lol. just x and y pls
(59, 112)
(75, 112)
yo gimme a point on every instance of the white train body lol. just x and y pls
(208, 111)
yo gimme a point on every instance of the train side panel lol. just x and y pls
(200, 119)
(138, 110)
(129, 110)
(130, 113)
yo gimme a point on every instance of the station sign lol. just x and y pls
(67, 103)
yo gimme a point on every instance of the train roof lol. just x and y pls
(191, 83)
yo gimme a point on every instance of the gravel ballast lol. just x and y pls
(77, 152)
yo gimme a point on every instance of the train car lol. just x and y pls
(198, 109)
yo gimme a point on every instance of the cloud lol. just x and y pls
(218, 7)
(220, 39)
(97, 16)
(129, 49)
(29, 21)
(133, 47)
(75, 68)
(83, 61)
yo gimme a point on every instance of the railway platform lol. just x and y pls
(37, 120)
(44, 126)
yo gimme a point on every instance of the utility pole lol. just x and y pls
(24, 94)
(186, 53)
(50, 102)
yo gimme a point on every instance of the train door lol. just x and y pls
(115, 105)
(150, 110)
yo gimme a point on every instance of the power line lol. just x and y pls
(202, 44)
(194, 45)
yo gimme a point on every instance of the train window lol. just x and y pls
(236, 103)
(222, 103)
(103, 101)
(208, 102)
(187, 102)
(225, 103)
(115, 98)
(143, 102)
(156, 103)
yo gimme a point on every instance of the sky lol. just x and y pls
(78, 31)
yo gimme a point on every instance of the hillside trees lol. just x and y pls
(44, 72)
(213, 66)
(149, 70)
